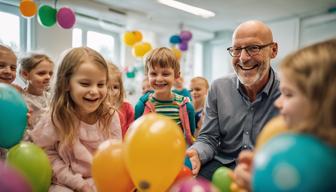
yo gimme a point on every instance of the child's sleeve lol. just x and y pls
(44, 135)
(140, 106)
(191, 116)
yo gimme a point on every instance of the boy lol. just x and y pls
(162, 69)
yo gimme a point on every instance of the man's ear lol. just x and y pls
(274, 50)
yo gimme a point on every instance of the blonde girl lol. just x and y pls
(307, 101)
(80, 119)
(124, 108)
(37, 70)
(199, 87)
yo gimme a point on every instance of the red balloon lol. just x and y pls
(66, 18)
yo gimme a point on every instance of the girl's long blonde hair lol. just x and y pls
(313, 70)
(63, 114)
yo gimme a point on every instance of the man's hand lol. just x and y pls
(242, 172)
(195, 161)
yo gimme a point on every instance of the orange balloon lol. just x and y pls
(177, 53)
(184, 173)
(28, 8)
(129, 38)
(108, 168)
(140, 49)
(272, 128)
(138, 36)
(154, 152)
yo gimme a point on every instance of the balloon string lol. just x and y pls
(55, 3)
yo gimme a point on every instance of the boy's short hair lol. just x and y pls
(162, 57)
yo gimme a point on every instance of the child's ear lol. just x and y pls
(24, 74)
(178, 75)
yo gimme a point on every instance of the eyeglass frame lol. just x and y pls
(260, 47)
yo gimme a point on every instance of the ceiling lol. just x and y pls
(229, 13)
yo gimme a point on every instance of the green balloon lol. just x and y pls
(221, 179)
(47, 16)
(13, 118)
(33, 163)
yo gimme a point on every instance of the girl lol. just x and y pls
(37, 70)
(199, 89)
(124, 108)
(80, 120)
(307, 101)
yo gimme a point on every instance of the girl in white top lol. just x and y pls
(80, 119)
(37, 70)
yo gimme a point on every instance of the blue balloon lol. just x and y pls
(293, 162)
(13, 113)
(175, 39)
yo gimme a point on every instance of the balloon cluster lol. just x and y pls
(133, 39)
(31, 163)
(47, 15)
(181, 40)
(144, 160)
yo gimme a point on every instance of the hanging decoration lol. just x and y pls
(181, 41)
(132, 37)
(47, 16)
(140, 49)
(28, 8)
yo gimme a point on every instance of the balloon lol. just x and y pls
(129, 38)
(187, 162)
(193, 185)
(47, 16)
(184, 173)
(13, 119)
(154, 152)
(221, 179)
(140, 49)
(183, 46)
(293, 162)
(177, 53)
(11, 180)
(108, 168)
(33, 163)
(66, 18)
(186, 35)
(28, 8)
(137, 36)
(175, 39)
(272, 128)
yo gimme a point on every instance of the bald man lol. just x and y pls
(240, 104)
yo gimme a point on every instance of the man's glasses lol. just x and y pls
(251, 50)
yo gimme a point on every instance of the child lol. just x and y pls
(80, 119)
(37, 70)
(179, 88)
(307, 101)
(145, 86)
(124, 108)
(162, 69)
(8, 66)
(199, 89)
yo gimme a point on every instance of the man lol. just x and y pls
(238, 105)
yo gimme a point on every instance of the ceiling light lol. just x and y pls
(188, 8)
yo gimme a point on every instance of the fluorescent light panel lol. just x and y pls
(188, 8)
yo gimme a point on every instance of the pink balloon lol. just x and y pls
(192, 184)
(11, 180)
(66, 18)
(183, 46)
(186, 35)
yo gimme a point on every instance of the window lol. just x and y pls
(102, 43)
(76, 37)
(10, 35)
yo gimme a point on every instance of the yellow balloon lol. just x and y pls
(138, 36)
(154, 152)
(177, 53)
(140, 49)
(28, 8)
(272, 128)
(109, 171)
(129, 38)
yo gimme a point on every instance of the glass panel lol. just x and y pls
(102, 43)
(76, 37)
(10, 35)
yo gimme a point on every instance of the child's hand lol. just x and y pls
(195, 161)
(242, 173)
(87, 188)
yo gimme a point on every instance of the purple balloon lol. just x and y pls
(186, 35)
(66, 18)
(183, 46)
(11, 180)
(192, 184)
